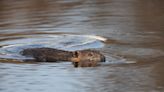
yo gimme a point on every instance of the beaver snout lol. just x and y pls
(87, 58)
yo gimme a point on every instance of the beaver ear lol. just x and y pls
(75, 54)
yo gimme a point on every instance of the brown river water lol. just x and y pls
(129, 33)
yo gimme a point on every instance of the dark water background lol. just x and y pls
(129, 33)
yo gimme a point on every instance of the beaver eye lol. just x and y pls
(90, 54)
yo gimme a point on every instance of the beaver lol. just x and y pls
(79, 58)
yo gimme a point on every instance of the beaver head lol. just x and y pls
(87, 58)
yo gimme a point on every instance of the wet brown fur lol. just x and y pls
(82, 58)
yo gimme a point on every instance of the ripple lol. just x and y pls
(11, 48)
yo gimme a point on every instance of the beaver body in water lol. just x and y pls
(82, 58)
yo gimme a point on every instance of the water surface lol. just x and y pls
(128, 32)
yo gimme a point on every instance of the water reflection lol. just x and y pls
(133, 31)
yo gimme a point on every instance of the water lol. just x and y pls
(128, 32)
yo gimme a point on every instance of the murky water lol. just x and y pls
(129, 33)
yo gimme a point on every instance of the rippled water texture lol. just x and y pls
(129, 33)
